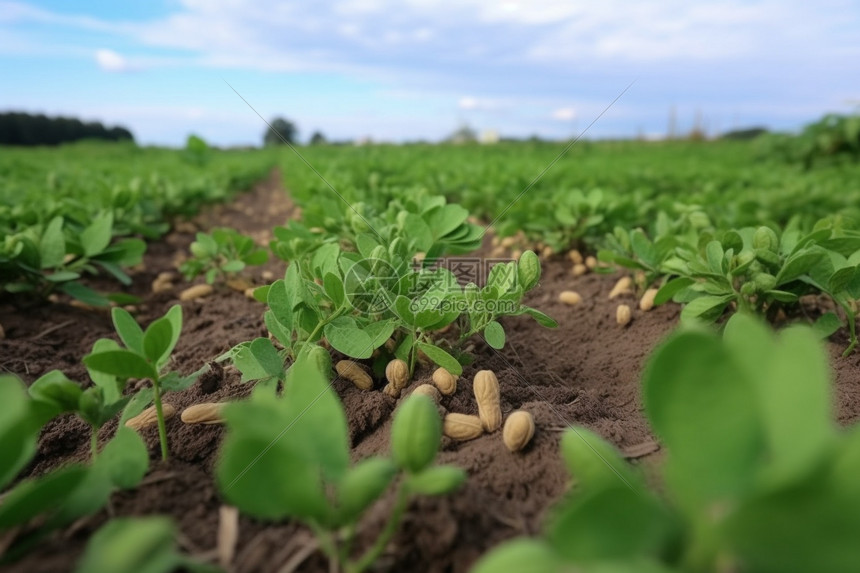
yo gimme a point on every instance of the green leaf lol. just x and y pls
(528, 271)
(494, 334)
(643, 248)
(52, 245)
(809, 527)
(705, 308)
(791, 379)
(441, 358)
(594, 463)
(132, 545)
(84, 294)
(55, 388)
(174, 315)
(267, 357)
(379, 332)
(610, 524)
(714, 254)
(62, 276)
(244, 359)
(204, 246)
(364, 484)
(798, 264)
(96, 237)
(846, 279)
(415, 433)
(107, 382)
(541, 318)
(690, 383)
(125, 458)
(404, 349)
(533, 555)
(782, 296)
(40, 495)
(233, 266)
(826, 325)
(176, 382)
(121, 363)
(278, 451)
(19, 429)
(138, 403)
(346, 336)
(333, 286)
(90, 404)
(156, 340)
(437, 480)
(671, 288)
(122, 298)
(403, 309)
(445, 219)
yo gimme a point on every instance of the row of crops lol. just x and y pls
(758, 476)
(715, 226)
(88, 209)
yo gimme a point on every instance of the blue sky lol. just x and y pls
(409, 69)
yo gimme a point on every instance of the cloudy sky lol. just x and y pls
(419, 68)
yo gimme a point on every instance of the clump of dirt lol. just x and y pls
(586, 372)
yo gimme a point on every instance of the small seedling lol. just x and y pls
(222, 255)
(146, 355)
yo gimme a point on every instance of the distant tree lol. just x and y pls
(282, 130)
(197, 151)
(318, 138)
(745, 133)
(463, 134)
(26, 129)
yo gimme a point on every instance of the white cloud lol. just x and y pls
(564, 114)
(528, 63)
(480, 104)
(110, 61)
(390, 35)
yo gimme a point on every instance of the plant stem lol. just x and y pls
(346, 545)
(162, 429)
(328, 546)
(322, 323)
(376, 550)
(94, 442)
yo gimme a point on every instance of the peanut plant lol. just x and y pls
(146, 355)
(758, 476)
(304, 472)
(221, 255)
(36, 506)
(754, 270)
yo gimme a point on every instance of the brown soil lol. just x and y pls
(586, 372)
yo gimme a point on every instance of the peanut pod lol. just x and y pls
(353, 372)
(149, 417)
(519, 430)
(486, 388)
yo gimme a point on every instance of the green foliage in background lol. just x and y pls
(85, 209)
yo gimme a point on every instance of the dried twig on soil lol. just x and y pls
(310, 546)
(228, 535)
(640, 450)
(51, 329)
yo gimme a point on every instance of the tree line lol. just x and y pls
(29, 129)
